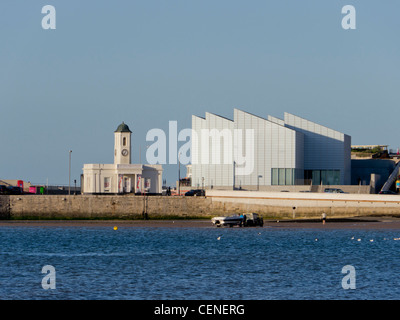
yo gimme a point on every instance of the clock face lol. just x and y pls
(124, 152)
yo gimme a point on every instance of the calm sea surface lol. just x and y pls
(191, 263)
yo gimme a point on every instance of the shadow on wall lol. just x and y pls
(4, 207)
(361, 171)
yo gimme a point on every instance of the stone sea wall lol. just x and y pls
(306, 204)
(106, 207)
(278, 205)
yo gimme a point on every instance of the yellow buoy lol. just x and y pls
(115, 228)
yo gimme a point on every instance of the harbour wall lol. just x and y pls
(278, 205)
(104, 207)
(306, 204)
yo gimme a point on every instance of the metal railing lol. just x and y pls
(391, 178)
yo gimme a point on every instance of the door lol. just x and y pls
(128, 185)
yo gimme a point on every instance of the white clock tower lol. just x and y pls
(122, 144)
(122, 177)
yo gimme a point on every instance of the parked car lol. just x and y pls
(14, 190)
(387, 192)
(3, 189)
(195, 192)
(334, 190)
(244, 220)
(252, 220)
(228, 221)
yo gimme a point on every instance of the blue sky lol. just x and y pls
(150, 62)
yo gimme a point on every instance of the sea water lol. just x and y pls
(198, 263)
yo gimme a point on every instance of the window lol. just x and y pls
(282, 176)
(274, 177)
(124, 141)
(289, 177)
(107, 184)
(325, 177)
(316, 177)
(147, 183)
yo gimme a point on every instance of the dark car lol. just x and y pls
(14, 190)
(3, 189)
(387, 192)
(196, 192)
(333, 190)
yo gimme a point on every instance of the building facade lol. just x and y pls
(121, 176)
(254, 151)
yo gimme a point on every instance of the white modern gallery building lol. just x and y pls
(121, 176)
(254, 151)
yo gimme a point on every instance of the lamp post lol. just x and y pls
(69, 178)
(234, 174)
(258, 182)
